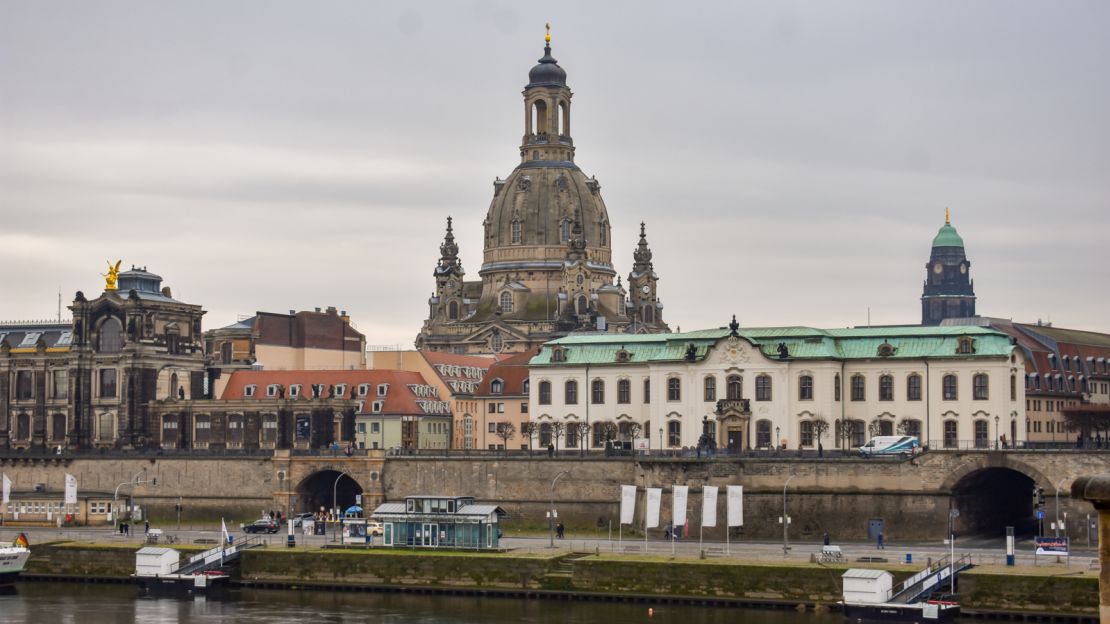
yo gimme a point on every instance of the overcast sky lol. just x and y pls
(792, 160)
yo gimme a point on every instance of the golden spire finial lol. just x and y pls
(547, 36)
(947, 217)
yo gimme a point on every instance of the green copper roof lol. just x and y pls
(908, 341)
(947, 237)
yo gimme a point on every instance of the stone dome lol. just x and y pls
(545, 198)
(547, 72)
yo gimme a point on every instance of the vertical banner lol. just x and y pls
(628, 503)
(651, 518)
(7, 489)
(71, 490)
(709, 506)
(678, 515)
(735, 505)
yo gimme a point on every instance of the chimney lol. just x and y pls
(317, 310)
(292, 313)
(332, 310)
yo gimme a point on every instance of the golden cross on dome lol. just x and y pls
(547, 36)
(947, 217)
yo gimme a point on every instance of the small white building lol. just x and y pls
(761, 388)
(867, 586)
(156, 561)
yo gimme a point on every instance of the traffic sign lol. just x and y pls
(1040, 514)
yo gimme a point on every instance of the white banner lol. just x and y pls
(678, 513)
(709, 506)
(628, 503)
(7, 489)
(71, 490)
(654, 496)
(735, 505)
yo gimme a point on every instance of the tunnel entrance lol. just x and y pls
(991, 499)
(315, 491)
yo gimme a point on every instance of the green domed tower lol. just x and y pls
(949, 290)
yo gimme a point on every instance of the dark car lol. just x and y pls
(263, 525)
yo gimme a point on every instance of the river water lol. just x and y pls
(36, 603)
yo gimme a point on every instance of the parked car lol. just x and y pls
(262, 525)
(300, 519)
(375, 529)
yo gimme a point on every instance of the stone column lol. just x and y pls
(1096, 490)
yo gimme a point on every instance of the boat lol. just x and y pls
(12, 559)
(869, 597)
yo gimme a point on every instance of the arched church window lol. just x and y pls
(539, 118)
(564, 230)
(583, 306)
(453, 310)
(506, 303)
(111, 336)
(564, 119)
(516, 231)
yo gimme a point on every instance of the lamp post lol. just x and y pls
(661, 441)
(1058, 507)
(334, 488)
(996, 433)
(785, 518)
(135, 480)
(777, 438)
(551, 513)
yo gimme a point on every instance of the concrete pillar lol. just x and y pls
(1096, 490)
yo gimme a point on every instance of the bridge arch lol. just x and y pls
(317, 489)
(993, 492)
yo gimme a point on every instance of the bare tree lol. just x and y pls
(583, 434)
(634, 430)
(846, 432)
(609, 432)
(820, 428)
(505, 430)
(529, 430)
(874, 428)
(558, 428)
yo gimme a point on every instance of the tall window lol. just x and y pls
(570, 392)
(516, 232)
(506, 303)
(597, 390)
(836, 387)
(735, 387)
(453, 310)
(951, 388)
(58, 428)
(858, 387)
(806, 432)
(496, 386)
(982, 434)
(106, 429)
(886, 388)
(24, 384)
(572, 435)
(980, 387)
(545, 393)
(805, 390)
(1013, 387)
(110, 339)
(912, 428)
(647, 391)
(107, 382)
(545, 435)
(913, 387)
(674, 434)
(61, 383)
(763, 388)
(763, 434)
(711, 388)
(674, 389)
(951, 434)
(624, 391)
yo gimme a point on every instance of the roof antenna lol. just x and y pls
(59, 304)
(869, 316)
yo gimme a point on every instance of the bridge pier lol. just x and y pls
(1096, 490)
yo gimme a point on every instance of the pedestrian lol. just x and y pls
(667, 532)
(1098, 440)
(146, 527)
(879, 542)
(550, 450)
(826, 538)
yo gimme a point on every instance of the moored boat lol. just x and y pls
(13, 558)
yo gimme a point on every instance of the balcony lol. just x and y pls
(733, 406)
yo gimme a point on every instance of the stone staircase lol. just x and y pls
(562, 575)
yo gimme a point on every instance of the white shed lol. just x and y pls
(156, 561)
(867, 586)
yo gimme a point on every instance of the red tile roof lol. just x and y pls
(513, 371)
(399, 399)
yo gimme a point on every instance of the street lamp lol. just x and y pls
(777, 438)
(135, 480)
(333, 503)
(996, 433)
(785, 518)
(661, 441)
(551, 514)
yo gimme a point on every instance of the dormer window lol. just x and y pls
(624, 355)
(558, 354)
(526, 387)
(886, 349)
(272, 390)
(496, 386)
(363, 389)
(376, 407)
(383, 389)
(294, 391)
(249, 390)
(966, 346)
(340, 390)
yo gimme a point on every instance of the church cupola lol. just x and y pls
(949, 290)
(547, 111)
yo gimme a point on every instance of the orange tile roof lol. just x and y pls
(512, 371)
(400, 399)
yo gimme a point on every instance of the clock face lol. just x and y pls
(645, 289)
(963, 268)
(937, 268)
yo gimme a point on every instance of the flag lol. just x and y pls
(678, 512)
(71, 490)
(223, 530)
(735, 505)
(628, 503)
(22, 541)
(7, 489)
(651, 518)
(709, 506)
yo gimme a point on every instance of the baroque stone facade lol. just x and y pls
(547, 267)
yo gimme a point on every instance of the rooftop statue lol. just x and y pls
(112, 275)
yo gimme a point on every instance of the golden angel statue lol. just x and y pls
(111, 276)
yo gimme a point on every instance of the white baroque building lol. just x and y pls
(795, 387)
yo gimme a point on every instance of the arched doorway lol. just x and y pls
(991, 499)
(315, 491)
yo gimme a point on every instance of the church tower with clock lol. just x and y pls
(547, 264)
(949, 290)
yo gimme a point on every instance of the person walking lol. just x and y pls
(879, 542)
(826, 538)
(146, 527)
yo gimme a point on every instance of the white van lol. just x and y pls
(891, 445)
